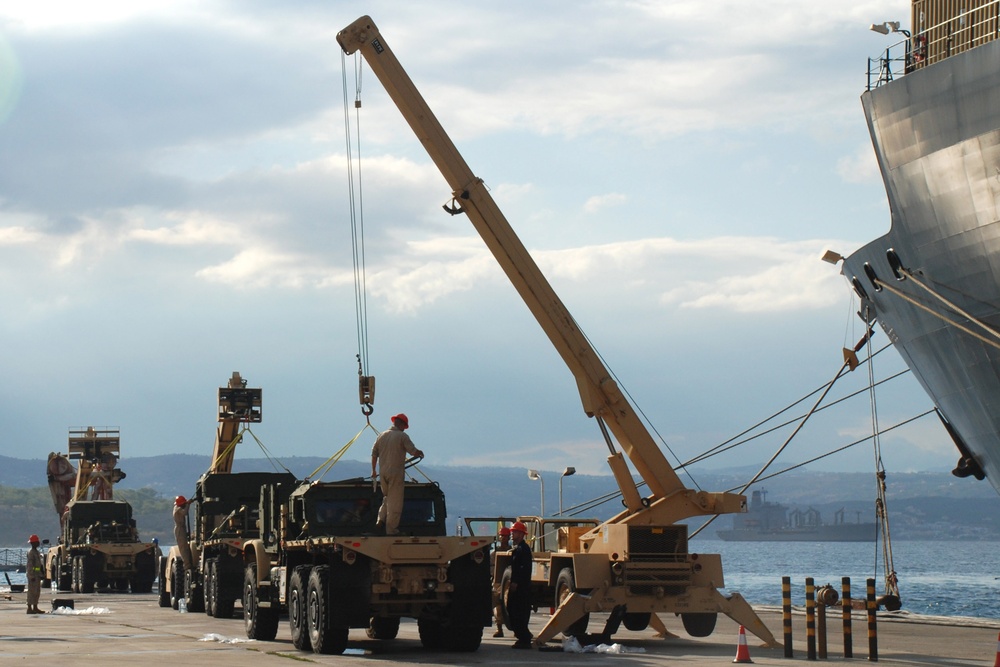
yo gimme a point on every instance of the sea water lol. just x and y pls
(938, 578)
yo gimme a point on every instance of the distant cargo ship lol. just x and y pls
(772, 522)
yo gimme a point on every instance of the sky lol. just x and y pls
(176, 204)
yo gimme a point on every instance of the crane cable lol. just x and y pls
(356, 205)
(846, 366)
(881, 508)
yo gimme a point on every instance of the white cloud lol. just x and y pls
(740, 274)
(859, 167)
(17, 235)
(598, 202)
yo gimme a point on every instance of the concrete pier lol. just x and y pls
(135, 630)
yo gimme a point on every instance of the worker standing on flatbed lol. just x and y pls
(389, 452)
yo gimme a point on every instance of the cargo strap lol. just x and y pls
(330, 462)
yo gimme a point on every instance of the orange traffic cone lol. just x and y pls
(743, 651)
(996, 663)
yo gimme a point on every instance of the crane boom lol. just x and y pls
(599, 392)
(636, 563)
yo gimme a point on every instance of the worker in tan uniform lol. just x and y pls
(33, 568)
(389, 452)
(180, 515)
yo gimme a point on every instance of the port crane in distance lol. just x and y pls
(636, 563)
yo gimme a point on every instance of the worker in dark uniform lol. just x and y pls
(519, 593)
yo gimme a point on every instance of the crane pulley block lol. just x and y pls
(366, 389)
(240, 404)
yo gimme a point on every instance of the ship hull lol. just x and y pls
(936, 134)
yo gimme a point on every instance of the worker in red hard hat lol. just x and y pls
(519, 593)
(181, 530)
(33, 568)
(503, 544)
(389, 452)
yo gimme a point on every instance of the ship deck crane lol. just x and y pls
(607, 565)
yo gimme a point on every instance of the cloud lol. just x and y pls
(860, 167)
(596, 203)
(740, 274)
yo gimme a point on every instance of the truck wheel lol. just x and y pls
(383, 628)
(194, 595)
(211, 586)
(88, 574)
(261, 622)
(431, 633)
(322, 635)
(636, 622)
(465, 638)
(64, 575)
(176, 583)
(145, 573)
(164, 594)
(699, 624)
(298, 609)
(566, 585)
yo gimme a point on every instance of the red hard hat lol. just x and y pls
(504, 531)
(33, 539)
(519, 527)
(180, 500)
(401, 417)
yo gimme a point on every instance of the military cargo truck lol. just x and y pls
(321, 558)
(225, 508)
(100, 549)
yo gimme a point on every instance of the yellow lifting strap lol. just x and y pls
(330, 462)
(229, 448)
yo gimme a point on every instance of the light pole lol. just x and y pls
(534, 474)
(570, 470)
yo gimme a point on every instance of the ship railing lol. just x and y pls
(966, 30)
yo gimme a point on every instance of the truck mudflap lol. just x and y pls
(609, 598)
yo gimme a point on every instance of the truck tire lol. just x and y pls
(464, 638)
(431, 633)
(88, 573)
(211, 586)
(164, 594)
(298, 615)
(145, 573)
(381, 627)
(261, 622)
(636, 622)
(322, 635)
(176, 583)
(566, 585)
(699, 624)
(194, 594)
(63, 574)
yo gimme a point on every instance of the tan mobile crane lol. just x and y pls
(636, 563)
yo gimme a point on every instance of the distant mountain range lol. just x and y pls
(921, 505)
